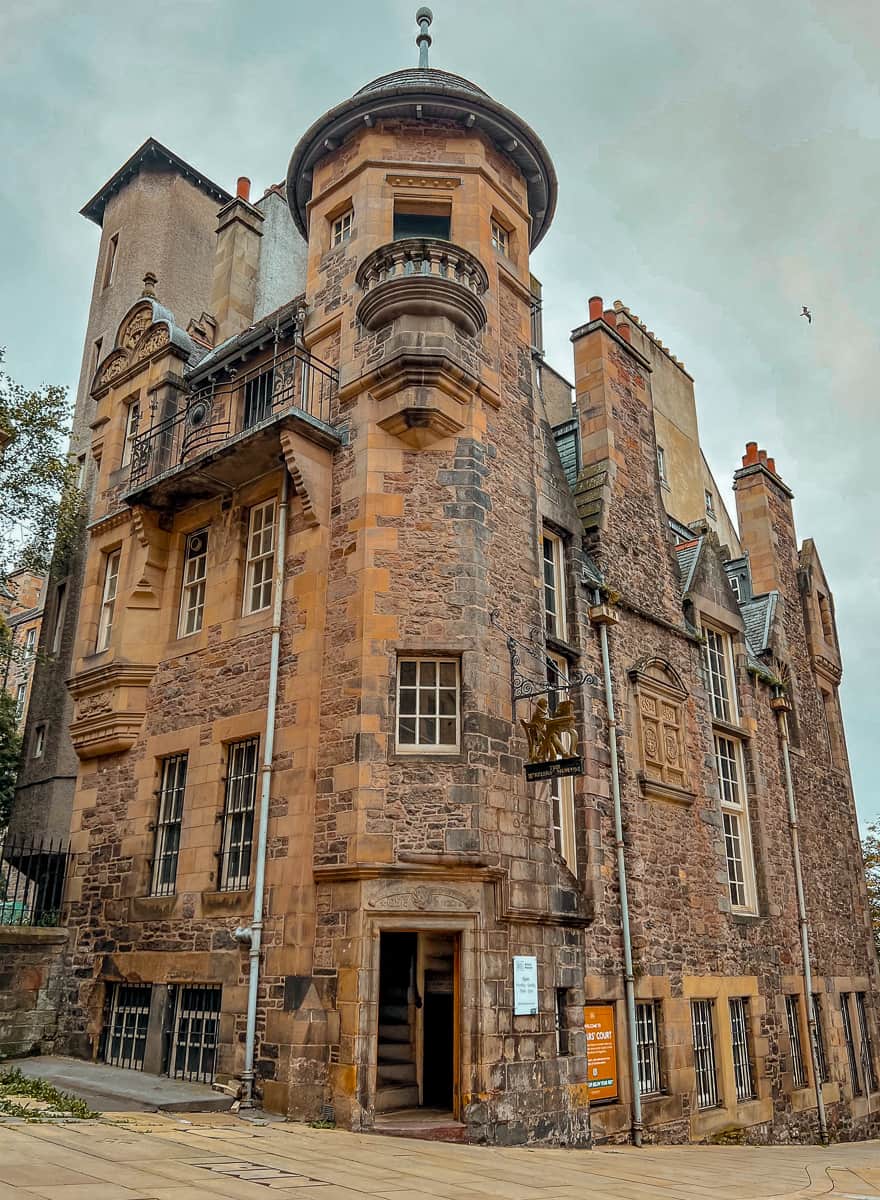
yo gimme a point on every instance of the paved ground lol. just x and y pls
(114, 1089)
(219, 1156)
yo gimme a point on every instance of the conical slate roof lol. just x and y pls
(423, 93)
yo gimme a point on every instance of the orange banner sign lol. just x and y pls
(601, 1052)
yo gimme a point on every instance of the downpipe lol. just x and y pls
(256, 930)
(781, 706)
(628, 977)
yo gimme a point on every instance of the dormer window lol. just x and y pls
(342, 227)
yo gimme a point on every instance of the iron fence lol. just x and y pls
(294, 380)
(32, 875)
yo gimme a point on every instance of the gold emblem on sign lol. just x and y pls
(549, 736)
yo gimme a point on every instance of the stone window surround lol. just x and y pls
(107, 607)
(340, 223)
(557, 540)
(404, 751)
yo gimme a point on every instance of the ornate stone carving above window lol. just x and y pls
(660, 702)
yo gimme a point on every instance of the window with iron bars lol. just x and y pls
(648, 1047)
(868, 1067)
(821, 1057)
(741, 1042)
(258, 394)
(242, 765)
(798, 1066)
(850, 1044)
(125, 1033)
(704, 1053)
(195, 1033)
(168, 821)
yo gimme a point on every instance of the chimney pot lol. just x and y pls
(624, 330)
(596, 308)
(771, 465)
(762, 456)
(610, 317)
(243, 188)
(751, 455)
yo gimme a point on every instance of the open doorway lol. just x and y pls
(417, 1061)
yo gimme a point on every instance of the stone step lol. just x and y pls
(393, 1014)
(394, 1033)
(396, 1073)
(389, 1098)
(391, 1052)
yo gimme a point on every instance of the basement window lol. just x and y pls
(125, 1033)
(196, 1028)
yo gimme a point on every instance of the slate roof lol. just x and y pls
(688, 554)
(422, 77)
(757, 615)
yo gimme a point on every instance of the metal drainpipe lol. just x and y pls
(780, 705)
(629, 978)
(256, 929)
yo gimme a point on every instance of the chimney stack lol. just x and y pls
(236, 263)
(766, 521)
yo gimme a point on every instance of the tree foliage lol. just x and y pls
(10, 750)
(871, 854)
(37, 496)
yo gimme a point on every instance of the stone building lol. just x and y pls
(22, 596)
(353, 546)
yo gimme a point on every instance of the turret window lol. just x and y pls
(342, 227)
(420, 220)
(500, 239)
(427, 705)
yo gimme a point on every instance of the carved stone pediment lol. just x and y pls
(146, 330)
(661, 730)
(110, 703)
(422, 899)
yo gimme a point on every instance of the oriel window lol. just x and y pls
(260, 557)
(172, 788)
(428, 716)
(242, 766)
(195, 571)
(108, 598)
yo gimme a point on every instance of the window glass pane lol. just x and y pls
(447, 732)
(408, 674)
(407, 700)
(427, 732)
(448, 675)
(448, 699)
(406, 731)
(428, 674)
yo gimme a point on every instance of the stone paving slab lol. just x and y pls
(150, 1156)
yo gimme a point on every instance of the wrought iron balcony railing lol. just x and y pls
(422, 277)
(295, 381)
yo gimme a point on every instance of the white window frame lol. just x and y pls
(39, 740)
(260, 564)
(500, 238)
(648, 1047)
(719, 665)
(169, 823)
(193, 583)
(553, 585)
(132, 420)
(710, 501)
(733, 580)
(661, 464)
(428, 703)
(740, 1041)
(110, 261)
(561, 789)
(736, 830)
(20, 698)
(30, 643)
(239, 809)
(705, 1055)
(109, 592)
(342, 227)
(60, 614)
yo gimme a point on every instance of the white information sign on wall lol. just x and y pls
(525, 985)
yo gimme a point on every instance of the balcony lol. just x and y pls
(422, 277)
(228, 432)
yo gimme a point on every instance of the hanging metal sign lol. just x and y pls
(553, 741)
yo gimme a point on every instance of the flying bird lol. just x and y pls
(805, 312)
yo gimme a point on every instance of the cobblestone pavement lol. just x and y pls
(209, 1156)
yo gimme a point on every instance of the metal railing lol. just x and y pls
(423, 256)
(217, 412)
(32, 875)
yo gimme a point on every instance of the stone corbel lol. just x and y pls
(110, 704)
(153, 545)
(309, 469)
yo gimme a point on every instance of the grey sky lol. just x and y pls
(718, 167)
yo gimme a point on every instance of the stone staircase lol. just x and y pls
(396, 1079)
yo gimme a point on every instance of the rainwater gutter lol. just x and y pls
(781, 707)
(603, 616)
(256, 930)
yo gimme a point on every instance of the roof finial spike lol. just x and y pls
(424, 17)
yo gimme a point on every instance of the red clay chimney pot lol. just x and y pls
(624, 330)
(771, 465)
(762, 456)
(751, 455)
(243, 188)
(595, 308)
(610, 317)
